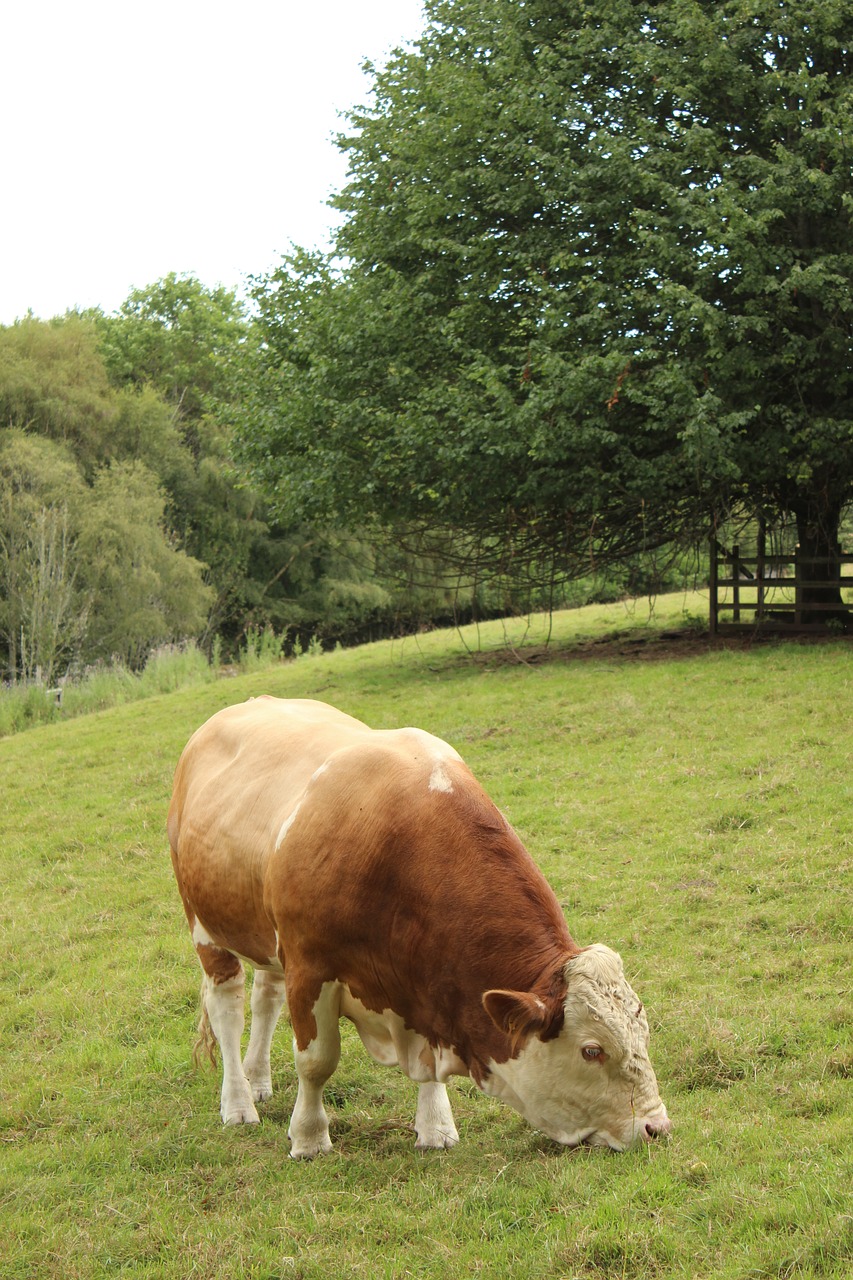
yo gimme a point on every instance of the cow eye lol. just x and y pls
(591, 1051)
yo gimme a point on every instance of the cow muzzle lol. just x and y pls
(651, 1127)
(658, 1127)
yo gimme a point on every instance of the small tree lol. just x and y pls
(42, 609)
(52, 614)
(144, 590)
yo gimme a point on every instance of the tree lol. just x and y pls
(43, 611)
(145, 591)
(87, 572)
(179, 337)
(184, 343)
(592, 283)
(53, 383)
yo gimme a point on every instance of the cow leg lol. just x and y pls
(434, 1119)
(224, 1004)
(268, 998)
(309, 1124)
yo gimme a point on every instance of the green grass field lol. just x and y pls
(692, 808)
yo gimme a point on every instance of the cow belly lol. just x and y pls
(389, 1041)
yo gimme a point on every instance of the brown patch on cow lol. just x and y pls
(220, 966)
(302, 996)
(416, 907)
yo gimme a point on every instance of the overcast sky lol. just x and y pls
(176, 135)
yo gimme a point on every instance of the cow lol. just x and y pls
(366, 875)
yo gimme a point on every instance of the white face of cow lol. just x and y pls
(593, 1083)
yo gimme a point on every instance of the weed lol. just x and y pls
(261, 648)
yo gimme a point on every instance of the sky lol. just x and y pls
(176, 135)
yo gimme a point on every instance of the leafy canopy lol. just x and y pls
(593, 279)
(177, 336)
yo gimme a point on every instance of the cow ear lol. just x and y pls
(518, 1013)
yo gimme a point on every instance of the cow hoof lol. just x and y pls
(241, 1115)
(262, 1092)
(308, 1150)
(442, 1141)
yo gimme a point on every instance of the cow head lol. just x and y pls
(592, 1081)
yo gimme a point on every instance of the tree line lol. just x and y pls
(126, 523)
(590, 299)
(123, 521)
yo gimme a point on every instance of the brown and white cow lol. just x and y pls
(365, 874)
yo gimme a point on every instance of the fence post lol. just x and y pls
(798, 589)
(759, 573)
(713, 583)
(736, 580)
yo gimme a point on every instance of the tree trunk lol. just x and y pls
(819, 566)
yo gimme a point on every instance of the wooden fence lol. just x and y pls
(768, 592)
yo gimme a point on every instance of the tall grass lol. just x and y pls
(168, 668)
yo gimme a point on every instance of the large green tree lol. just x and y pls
(592, 284)
(178, 336)
(186, 344)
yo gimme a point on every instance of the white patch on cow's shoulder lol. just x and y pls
(292, 816)
(439, 779)
(439, 755)
(286, 825)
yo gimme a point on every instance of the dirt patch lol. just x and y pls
(648, 646)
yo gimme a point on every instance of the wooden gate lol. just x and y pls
(767, 591)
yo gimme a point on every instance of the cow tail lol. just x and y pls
(205, 1045)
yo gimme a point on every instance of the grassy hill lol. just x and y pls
(692, 808)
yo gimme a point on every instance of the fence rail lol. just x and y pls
(769, 591)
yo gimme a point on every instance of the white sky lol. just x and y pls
(175, 135)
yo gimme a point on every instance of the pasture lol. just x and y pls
(692, 808)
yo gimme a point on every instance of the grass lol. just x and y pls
(692, 807)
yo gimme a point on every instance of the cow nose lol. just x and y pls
(654, 1128)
